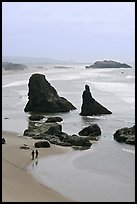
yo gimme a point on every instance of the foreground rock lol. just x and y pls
(36, 117)
(108, 64)
(52, 132)
(53, 119)
(42, 144)
(3, 141)
(44, 98)
(90, 106)
(91, 131)
(126, 135)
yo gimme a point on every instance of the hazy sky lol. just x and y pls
(80, 31)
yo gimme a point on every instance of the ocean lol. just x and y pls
(106, 171)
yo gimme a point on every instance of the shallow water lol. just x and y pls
(105, 172)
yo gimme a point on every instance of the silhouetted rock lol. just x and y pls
(44, 98)
(36, 117)
(53, 119)
(52, 132)
(90, 106)
(3, 141)
(126, 135)
(42, 144)
(91, 130)
(108, 64)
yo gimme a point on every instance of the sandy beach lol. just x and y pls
(17, 184)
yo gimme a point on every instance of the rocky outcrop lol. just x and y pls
(90, 106)
(108, 64)
(49, 128)
(44, 98)
(125, 135)
(52, 132)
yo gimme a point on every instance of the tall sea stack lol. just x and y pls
(44, 98)
(90, 106)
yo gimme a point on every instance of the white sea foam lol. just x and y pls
(129, 150)
(17, 83)
(130, 77)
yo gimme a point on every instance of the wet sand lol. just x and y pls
(17, 184)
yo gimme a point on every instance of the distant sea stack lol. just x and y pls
(108, 64)
(44, 98)
(90, 106)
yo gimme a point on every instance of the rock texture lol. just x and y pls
(108, 64)
(126, 135)
(90, 106)
(44, 98)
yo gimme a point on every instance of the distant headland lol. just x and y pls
(12, 66)
(108, 64)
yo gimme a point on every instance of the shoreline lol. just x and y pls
(18, 185)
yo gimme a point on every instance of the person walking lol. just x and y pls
(37, 153)
(32, 154)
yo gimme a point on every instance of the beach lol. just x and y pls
(18, 185)
(105, 172)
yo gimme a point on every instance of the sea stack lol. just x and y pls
(90, 106)
(44, 98)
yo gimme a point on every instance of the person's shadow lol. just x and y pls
(35, 164)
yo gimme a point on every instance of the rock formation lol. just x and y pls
(44, 98)
(108, 64)
(90, 106)
(52, 132)
(126, 135)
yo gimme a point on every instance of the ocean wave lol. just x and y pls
(129, 150)
(17, 83)
(124, 91)
(130, 77)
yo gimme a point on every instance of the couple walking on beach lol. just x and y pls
(33, 154)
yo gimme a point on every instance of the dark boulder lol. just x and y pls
(53, 119)
(92, 130)
(125, 135)
(36, 117)
(3, 141)
(44, 98)
(76, 140)
(90, 106)
(42, 144)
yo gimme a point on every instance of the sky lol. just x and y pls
(79, 31)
